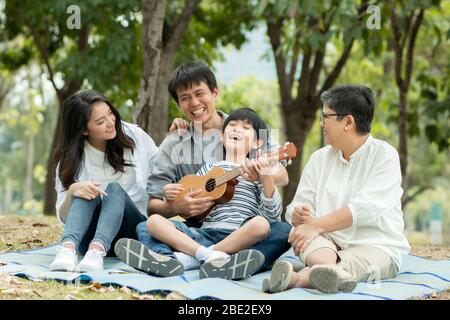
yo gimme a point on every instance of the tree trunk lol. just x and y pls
(159, 115)
(403, 140)
(49, 188)
(153, 112)
(153, 12)
(28, 186)
(298, 124)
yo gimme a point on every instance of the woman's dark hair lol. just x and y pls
(354, 100)
(252, 117)
(187, 74)
(70, 150)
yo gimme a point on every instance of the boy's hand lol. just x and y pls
(248, 170)
(264, 165)
(301, 215)
(172, 190)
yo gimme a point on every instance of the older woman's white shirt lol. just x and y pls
(133, 180)
(369, 185)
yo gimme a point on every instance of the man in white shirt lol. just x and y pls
(346, 214)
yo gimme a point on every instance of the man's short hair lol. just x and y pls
(354, 100)
(187, 74)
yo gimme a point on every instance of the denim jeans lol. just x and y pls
(275, 245)
(204, 237)
(272, 247)
(102, 220)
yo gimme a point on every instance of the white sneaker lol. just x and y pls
(65, 260)
(188, 261)
(92, 261)
(216, 255)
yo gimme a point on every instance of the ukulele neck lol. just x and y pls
(233, 174)
(227, 176)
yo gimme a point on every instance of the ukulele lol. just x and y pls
(220, 184)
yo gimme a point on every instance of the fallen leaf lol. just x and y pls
(31, 241)
(126, 289)
(175, 296)
(39, 224)
(11, 280)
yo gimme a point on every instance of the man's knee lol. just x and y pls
(322, 256)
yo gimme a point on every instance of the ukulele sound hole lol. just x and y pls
(210, 185)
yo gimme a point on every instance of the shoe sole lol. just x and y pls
(62, 269)
(138, 256)
(326, 280)
(84, 269)
(280, 277)
(238, 266)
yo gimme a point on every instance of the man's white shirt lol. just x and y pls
(369, 185)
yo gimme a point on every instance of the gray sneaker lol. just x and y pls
(280, 277)
(237, 266)
(331, 279)
(138, 256)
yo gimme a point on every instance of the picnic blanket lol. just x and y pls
(418, 277)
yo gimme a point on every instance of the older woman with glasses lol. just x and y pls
(346, 215)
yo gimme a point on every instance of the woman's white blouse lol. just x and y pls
(133, 180)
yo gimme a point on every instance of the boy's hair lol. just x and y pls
(354, 100)
(252, 117)
(188, 73)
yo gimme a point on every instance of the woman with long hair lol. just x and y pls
(101, 180)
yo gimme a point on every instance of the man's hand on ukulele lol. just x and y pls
(189, 206)
(172, 190)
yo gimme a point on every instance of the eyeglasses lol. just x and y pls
(327, 115)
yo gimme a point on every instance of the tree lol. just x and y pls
(405, 30)
(192, 30)
(151, 111)
(299, 33)
(100, 53)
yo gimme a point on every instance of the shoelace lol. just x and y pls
(63, 251)
(95, 254)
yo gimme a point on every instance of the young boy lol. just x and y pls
(230, 227)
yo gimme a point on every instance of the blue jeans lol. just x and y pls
(102, 220)
(275, 245)
(204, 237)
(272, 247)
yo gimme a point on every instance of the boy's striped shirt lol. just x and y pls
(248, 201)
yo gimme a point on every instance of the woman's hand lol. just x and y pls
(88, 190)
(172, 190)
